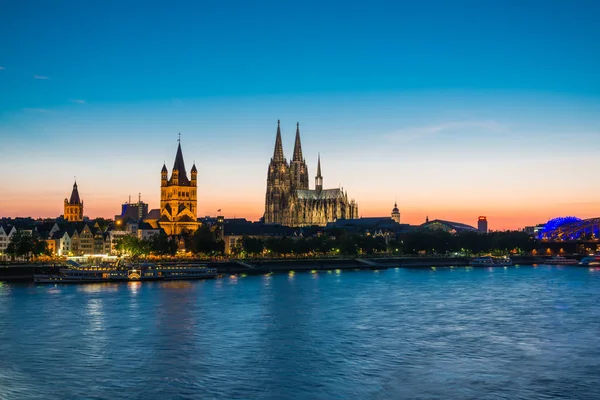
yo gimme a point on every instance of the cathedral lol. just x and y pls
(290, 202)
(178, 201)
(73, 207)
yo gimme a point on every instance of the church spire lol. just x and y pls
(278, 153)
(297, 145)
(319, 167)
(179, 165)
(75, 195)
(319, 178)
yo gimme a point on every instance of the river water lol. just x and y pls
(450, 333)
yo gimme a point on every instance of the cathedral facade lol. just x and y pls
(178, 198)
(289, 200)
(73, 207)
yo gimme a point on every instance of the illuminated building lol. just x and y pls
(290, 202)
(396, 213)
(178, 198)
(482, 225)
(447, 226)
(73, 207)
(132, 211)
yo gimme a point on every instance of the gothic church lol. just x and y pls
(290, 202)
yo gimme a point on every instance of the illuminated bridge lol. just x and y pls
(571, 228)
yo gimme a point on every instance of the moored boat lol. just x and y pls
(591, 261)
(560, 260)
(144, 272)
(489, 261)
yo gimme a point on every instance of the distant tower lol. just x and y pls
(319, 177)
(482, 225)
(277, 210)
(298, 168)
(73, 207)
(427, 219)
(396, 213)
(178, 197)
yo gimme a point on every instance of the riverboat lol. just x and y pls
(592, 261)
(143, 272)
(560, 260)
(489, 261)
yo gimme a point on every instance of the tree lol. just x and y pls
(281, 246)
(163, 245)
(133, 246)
(253, 246)
(23, 244)
(205, 241)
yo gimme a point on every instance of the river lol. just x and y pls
(446, 333)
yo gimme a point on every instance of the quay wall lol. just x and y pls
(24, 272)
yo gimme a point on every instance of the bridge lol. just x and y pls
(585, 229)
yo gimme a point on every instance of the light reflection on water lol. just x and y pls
(502, 333)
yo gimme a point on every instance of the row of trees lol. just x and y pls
(25, 245)
(159, 244)
(420, 242)
(204, 241)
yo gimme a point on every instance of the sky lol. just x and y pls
(452, 109)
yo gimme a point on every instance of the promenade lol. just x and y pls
(24, 272)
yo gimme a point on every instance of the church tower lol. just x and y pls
(73, 207)
(396, 213)
(277, 199)
(178, 197)
(298, 168)
(319, 177)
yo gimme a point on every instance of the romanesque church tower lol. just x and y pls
(73, 207)
(277, 199)
(178, 197)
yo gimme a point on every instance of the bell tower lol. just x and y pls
(277, 198)
(396, 213)
(73, 207)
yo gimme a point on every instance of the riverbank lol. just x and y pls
(24, 272)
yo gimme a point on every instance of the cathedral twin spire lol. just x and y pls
(297, 145)
(298, 164)
(278, 153)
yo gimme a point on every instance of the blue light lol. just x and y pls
(554, 224)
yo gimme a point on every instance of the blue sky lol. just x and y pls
(449, 107)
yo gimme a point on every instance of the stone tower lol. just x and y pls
(298, 168)
(73, 211)
(319, 177)
(396, 213)
(277, 210)
(178, 197)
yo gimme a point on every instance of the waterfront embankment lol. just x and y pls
(24, 272)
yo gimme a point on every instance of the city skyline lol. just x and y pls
(441, 111)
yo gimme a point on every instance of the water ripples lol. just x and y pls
(420, 334)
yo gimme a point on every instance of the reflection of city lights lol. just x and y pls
(134, 287)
